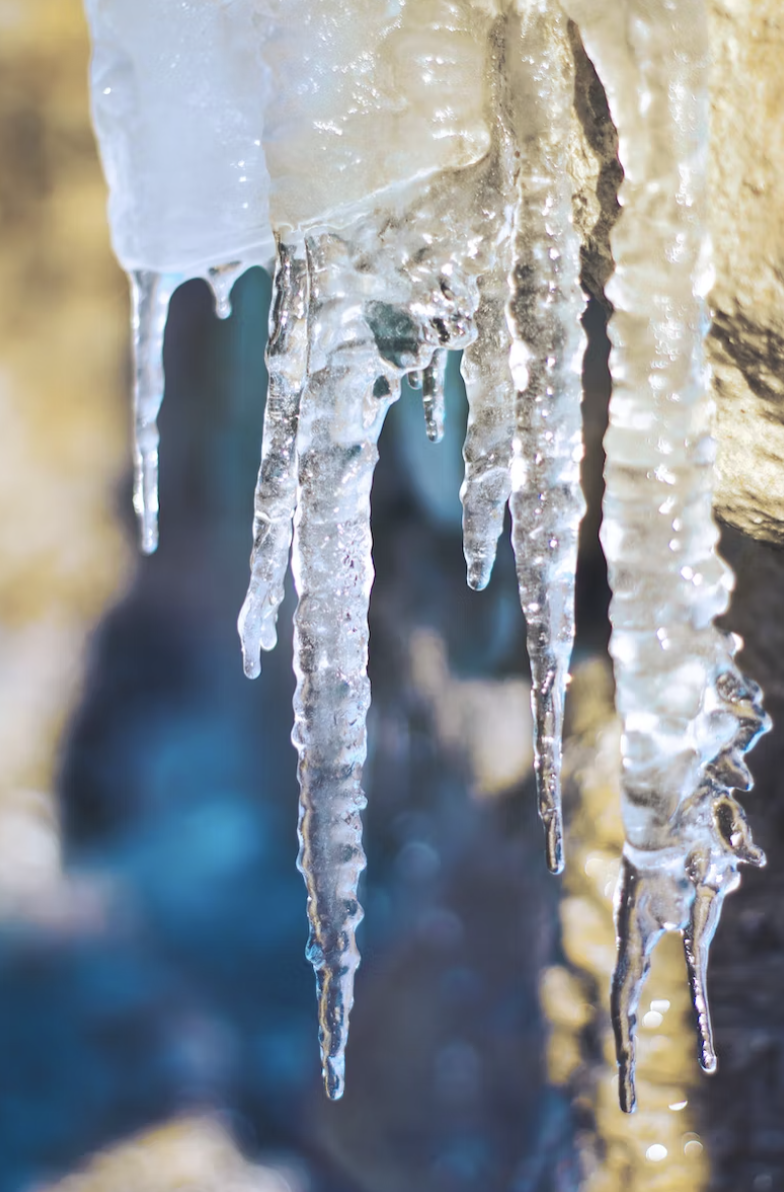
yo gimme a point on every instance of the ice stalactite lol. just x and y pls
(688, 715)
(150, 297)
(408, 166)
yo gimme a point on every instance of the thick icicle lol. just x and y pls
(287, 358)
(688, 715)
(150, 297)
(343, 409)
(548, 345)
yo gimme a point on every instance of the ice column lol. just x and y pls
(687, 713)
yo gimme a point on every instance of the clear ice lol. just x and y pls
(404, 168)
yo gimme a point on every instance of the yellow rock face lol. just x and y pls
(747, 342)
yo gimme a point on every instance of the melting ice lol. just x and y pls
(402, 168)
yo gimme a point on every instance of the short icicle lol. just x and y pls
(544, 311)
(688, 715)
(150, 297)
(343, 409)
(276, 489)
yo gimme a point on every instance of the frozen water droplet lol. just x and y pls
(221, 279)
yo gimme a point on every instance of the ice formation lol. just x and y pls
(405, 165)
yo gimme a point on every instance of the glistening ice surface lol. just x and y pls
(407, 164)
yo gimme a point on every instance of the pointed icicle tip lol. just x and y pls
(334, 1073)
(638, 931)
(697, 938)
(553, 827)
(547, 698)
(478, 573)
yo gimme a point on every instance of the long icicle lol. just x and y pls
(150, 297)
(548, 344)
(343, 410)
(276, 489)
(688, 715)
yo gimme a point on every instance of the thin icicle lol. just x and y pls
(485, 364)
(488, 446)
(433, 400)
(150, 297)
(343, 410)
(287, 357)
(548, 344)
(688, 715)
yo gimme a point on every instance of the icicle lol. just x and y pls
(343, 409)
(485, 365)
(150, 297)
(433, 397)
(548, 344)
(221, 279)
(687, 713)
(287, 356)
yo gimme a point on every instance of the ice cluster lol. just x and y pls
(402, 167)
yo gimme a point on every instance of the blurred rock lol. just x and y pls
(192, 1155)
(63, 442)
